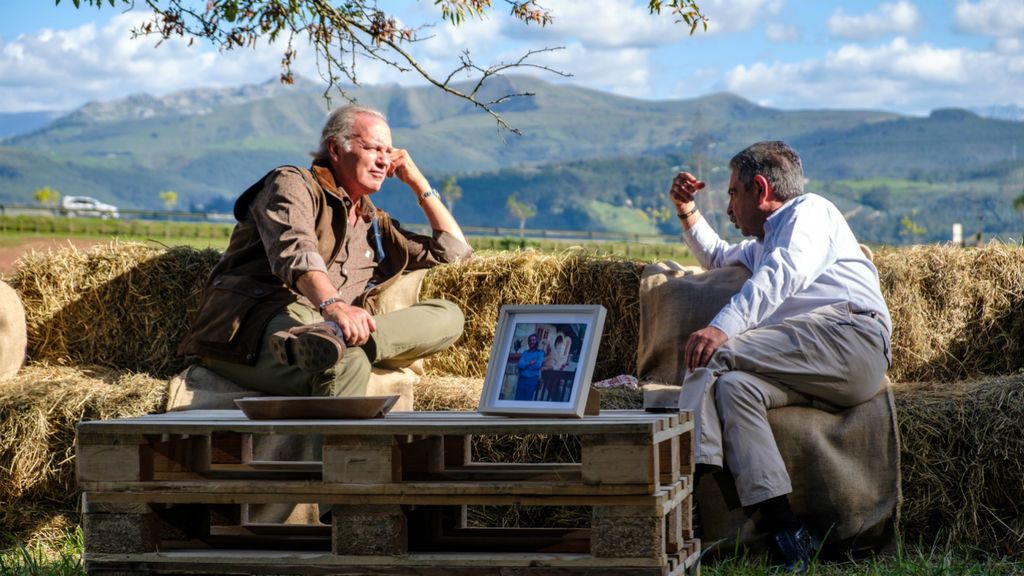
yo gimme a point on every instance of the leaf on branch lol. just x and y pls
(687, 11)
(455, 11)
(529, 11)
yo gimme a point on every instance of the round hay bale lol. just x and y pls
(13, 332)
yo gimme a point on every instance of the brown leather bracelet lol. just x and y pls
(688, 213)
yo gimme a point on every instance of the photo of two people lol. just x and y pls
(542, 362)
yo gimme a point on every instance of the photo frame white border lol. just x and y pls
(592, 315)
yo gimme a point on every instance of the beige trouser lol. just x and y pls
(401, 338)
(827, 358)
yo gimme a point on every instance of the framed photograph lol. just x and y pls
(542, 360)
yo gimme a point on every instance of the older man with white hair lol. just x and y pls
(288, 310)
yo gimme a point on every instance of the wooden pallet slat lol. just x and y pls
(173, 493)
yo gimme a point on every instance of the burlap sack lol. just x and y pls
(197, 388)
(403, 293)
(13, 333)
(675, 301)
(845, 469)
(844, 466)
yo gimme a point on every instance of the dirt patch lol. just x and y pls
(10, 254)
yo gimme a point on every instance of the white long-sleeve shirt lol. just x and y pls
(809, 258)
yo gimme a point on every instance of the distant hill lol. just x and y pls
(587, 159)
(1007, 112)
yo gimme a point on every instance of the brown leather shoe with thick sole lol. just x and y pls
(313, 347)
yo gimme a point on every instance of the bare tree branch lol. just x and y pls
(343, 32)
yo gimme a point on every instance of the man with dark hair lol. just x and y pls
(528, 368)
(810, 326)
(290, 308)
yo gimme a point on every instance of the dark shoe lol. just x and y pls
(797, 548)
(313, 347)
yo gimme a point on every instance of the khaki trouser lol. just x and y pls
(828, 358)
(401, 338)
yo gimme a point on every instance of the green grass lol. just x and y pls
(633, 250)
(15, 230)
(65, 559)
(18, 229)
(619, 218)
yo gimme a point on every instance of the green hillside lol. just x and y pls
(620, 194)
(948, 145)
(586, 160)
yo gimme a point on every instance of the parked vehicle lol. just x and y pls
(82, 206)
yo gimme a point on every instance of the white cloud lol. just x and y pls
(729, 16)
(61, 69)
(606, 24)
(1009, 45)
(623, 71)
(601, 24)
(443, 39)
(899, 18)
(776, 32)
(990, 17)
(898, 75)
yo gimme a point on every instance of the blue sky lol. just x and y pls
(909, 56)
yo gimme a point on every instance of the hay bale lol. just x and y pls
(962, 473)
(120, 305)
(482, 285)
(13, 332)
(436, 393)
(39, 409)
(957, 313)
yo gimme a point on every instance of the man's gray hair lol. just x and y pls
(777, 162)
(340, 126)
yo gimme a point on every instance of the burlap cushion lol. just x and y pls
(675, 301)
(844, 465)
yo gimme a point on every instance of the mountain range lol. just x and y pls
(586, 160)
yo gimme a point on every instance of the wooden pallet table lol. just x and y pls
(168, 494)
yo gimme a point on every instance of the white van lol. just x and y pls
(80, 206)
